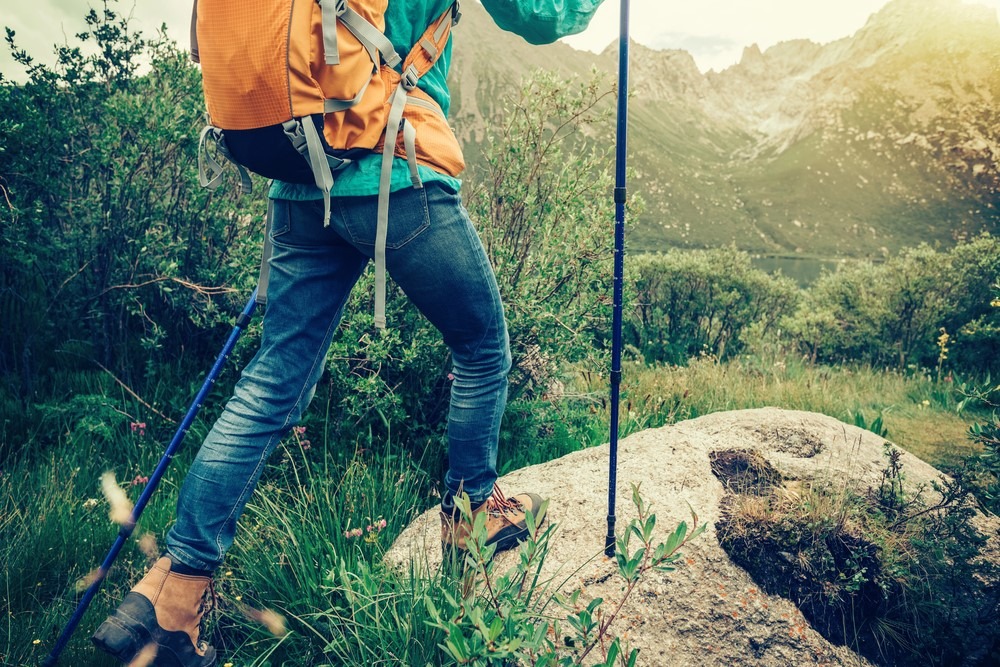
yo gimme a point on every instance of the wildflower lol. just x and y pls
(353, 532)
(37, 642)
(300, 432)
(140, 479)
(90, 503)
(121, 506)
(83, 583)
(925, 403)
(942, 343)
(147, 545)
(272, 620)
(138, 428)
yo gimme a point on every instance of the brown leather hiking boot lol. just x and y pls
(506, 525)
(164, 609)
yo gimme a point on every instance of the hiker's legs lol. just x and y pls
(312, 273)
(436, 257)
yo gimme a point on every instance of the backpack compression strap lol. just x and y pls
(418, 62)
(373, 41)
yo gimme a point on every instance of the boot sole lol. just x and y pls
(119, 640)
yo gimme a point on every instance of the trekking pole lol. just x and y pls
(154, 480)
(621, 141)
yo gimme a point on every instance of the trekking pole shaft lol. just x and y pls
(154, 481)
(621, 146)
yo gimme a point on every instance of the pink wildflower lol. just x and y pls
(138, 428)
(140, 479)
(377, 526)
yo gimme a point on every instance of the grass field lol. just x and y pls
(54, 525)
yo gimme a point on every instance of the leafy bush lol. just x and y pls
(521, 617)
(108, 247)
(539, 202)
(689, 303)
(469, 613)
(895, 313)
(982, 468)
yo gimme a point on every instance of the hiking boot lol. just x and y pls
(506, 524)
(164, 609)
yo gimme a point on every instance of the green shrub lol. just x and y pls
(469, 613)
(539, 203)
(921, 308)
(982, 468)
(521, 617)
(691, 303)
(108, 246)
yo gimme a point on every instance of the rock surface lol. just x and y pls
(709, 611)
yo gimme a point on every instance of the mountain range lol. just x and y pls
(854, 148)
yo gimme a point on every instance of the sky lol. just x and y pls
(715, 32)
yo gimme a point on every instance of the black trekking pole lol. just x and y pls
(621, 142)
(154, 480)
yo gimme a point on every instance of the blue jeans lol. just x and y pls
(436, 258)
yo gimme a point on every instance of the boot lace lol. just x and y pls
(209, 602)
(499, 504)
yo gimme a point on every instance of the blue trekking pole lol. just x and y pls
(621, 142)
(154, 480)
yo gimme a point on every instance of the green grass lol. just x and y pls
(292, 555)
(918, 411)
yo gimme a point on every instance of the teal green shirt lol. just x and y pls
(537, 21)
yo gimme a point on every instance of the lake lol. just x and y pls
(803, 270)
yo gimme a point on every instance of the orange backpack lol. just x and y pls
(296, 89)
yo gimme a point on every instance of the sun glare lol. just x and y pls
(994, 4)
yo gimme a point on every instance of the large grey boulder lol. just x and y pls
(710, 611)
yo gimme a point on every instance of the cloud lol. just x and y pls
(710, 44)
(709, 51)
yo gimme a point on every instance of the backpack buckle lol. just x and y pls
(341, 7)
(410, 78)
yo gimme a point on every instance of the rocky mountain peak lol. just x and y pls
(751, 56)
(858, 146)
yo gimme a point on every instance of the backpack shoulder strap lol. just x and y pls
(431, 44)
(373, 39)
